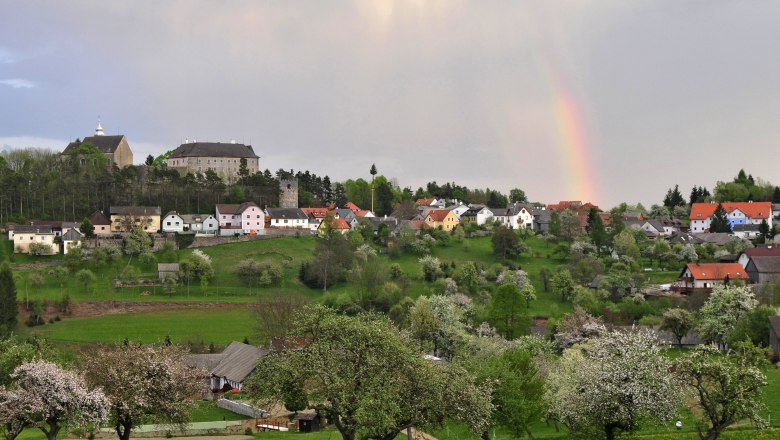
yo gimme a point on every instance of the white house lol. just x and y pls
(291, 218)
(458, 209)
(738, 213)
(478, 214)
(514, 216)
(71, 239)
(172, 222)
(200, 223)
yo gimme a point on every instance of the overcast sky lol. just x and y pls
(599, 100)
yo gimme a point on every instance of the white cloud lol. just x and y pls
(18, 142)
(18, 83)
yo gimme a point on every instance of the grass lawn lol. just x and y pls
(208, 411)
(219, 326)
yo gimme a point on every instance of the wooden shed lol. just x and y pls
(308, 421)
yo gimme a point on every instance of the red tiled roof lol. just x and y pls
(438, 215)
(762, 251)
(717, 271)
(701, 211)
(352, 206)
(340, 223)
(417, 224)
(362, 212)
(426, 202)
(316, 212)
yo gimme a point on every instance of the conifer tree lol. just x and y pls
(720, 220)
(8, 306)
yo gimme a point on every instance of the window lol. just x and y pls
(258, 216)
(168, 223)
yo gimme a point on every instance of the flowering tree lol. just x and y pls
(725, 306)
(368, 377)
(727, 388)
(578, 327)
(145, 383)
(15, 410)
(615, 383)
(53, 398)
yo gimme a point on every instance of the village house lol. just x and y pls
(739, 213)
(229, 369)
(288, 218)
(747, 232)
(478, 214)
(458, 208)
(316, 216)
(430, 202)
(337, 224)
(244, 218)
(705, 276)
(172, 222)
(101, 223)
(514, 216)
(763, 268)
(652, 228)
(200, 223)
(442, 219)
(223, 159)
(25, 235)
(71, 240)
(747, 254)
(123, 218)
(116, 148)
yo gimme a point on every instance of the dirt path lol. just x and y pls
(100, 308)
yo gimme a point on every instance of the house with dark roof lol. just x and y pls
(747, 232)
(222, 158)
(288, 218)
(116, 148)
(123, 218)
(200, 223)
(25, 235)
(71, 239)
(229, 369)
(244, 218)
(101, 223)
(478, 214)
(172, 222)
(763, 268)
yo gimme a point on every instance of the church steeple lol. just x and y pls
(99, 129)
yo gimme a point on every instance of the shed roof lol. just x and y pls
(238, 362)
(765, 264)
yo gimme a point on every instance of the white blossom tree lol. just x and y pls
(145, 383)
(15, 410)
(53, 398)
(578, 327)
(726, 389)
(614, 383)
(725, 306)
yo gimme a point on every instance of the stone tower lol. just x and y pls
(288, 193)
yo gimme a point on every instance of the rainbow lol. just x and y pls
(572, 138)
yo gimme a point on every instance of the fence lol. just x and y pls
(241, 408)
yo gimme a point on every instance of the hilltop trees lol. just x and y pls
(368, 378)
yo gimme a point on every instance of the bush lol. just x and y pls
(40, 249)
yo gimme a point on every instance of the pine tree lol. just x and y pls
(776, 195)
(720, 220)
(598, 234)
(8, 306)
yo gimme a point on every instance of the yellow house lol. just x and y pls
(123, 218)
(443, 219)
(24, 236)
